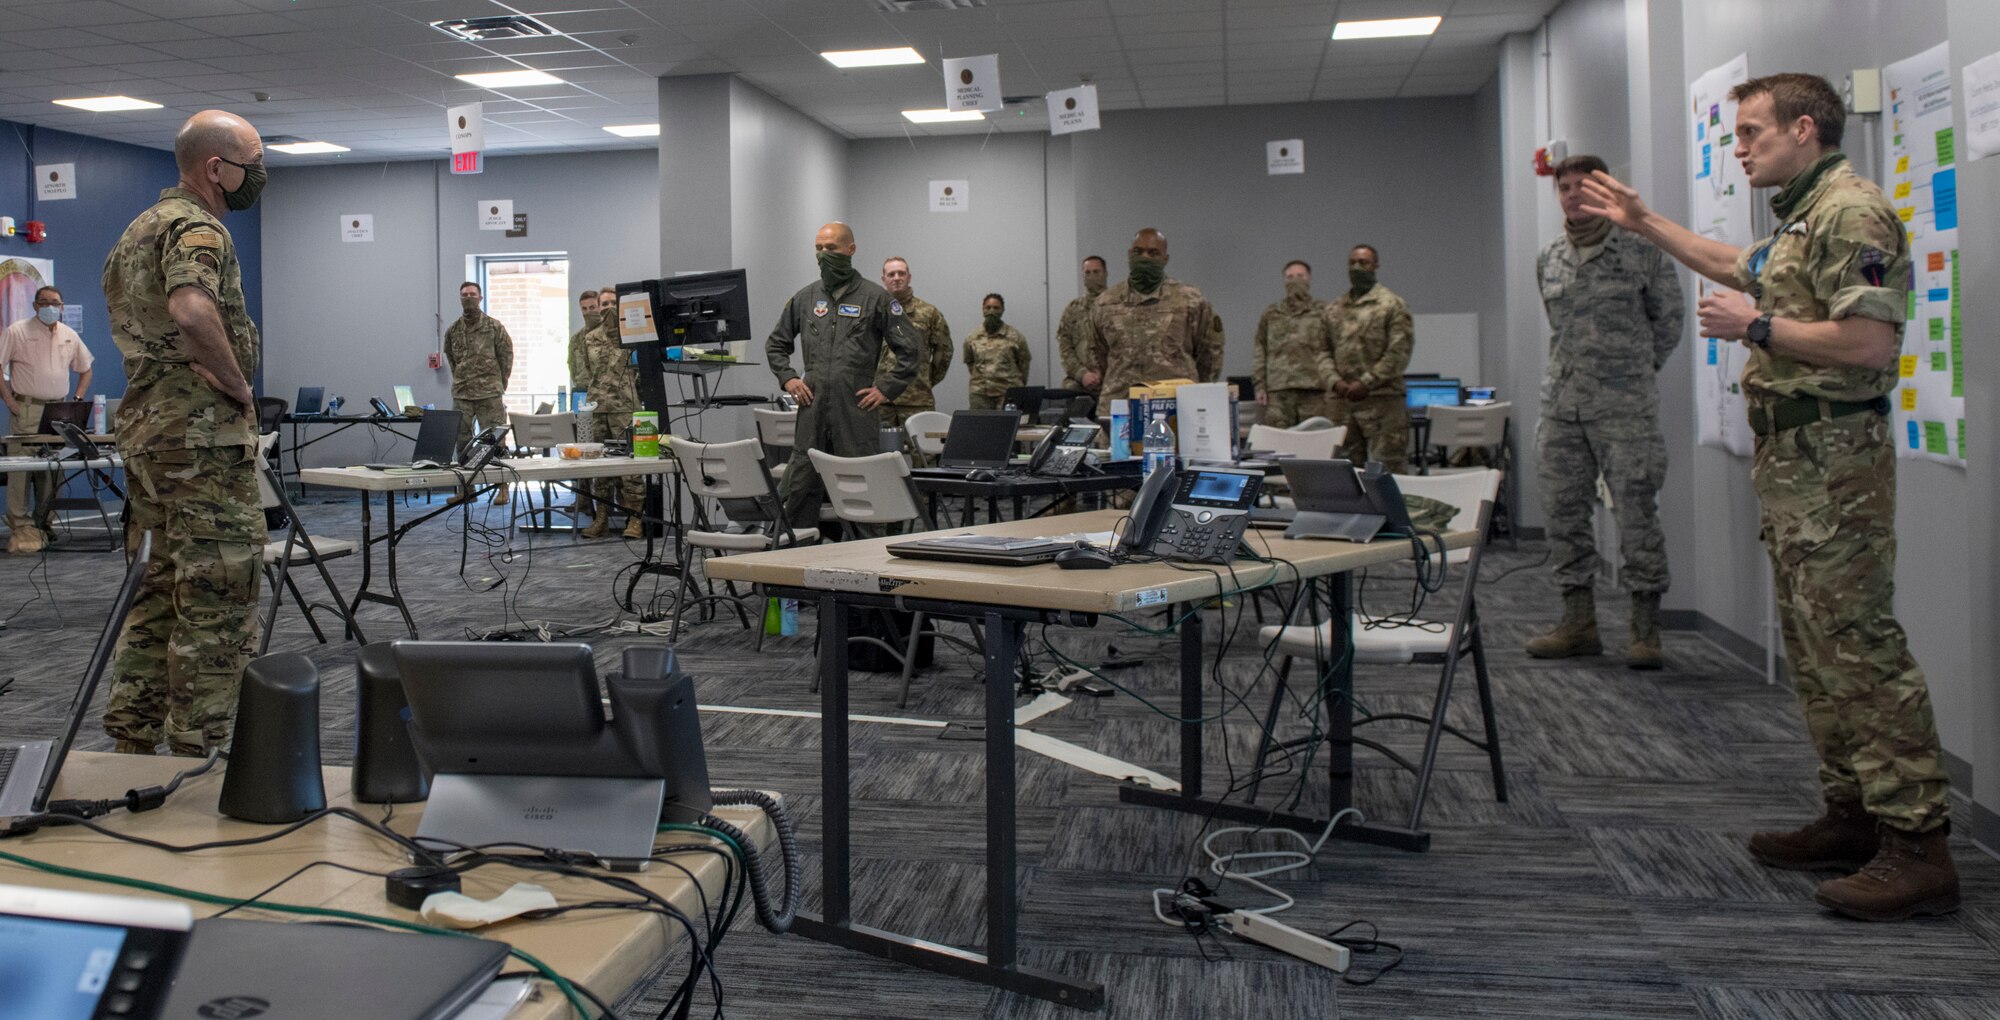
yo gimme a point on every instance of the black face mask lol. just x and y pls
(246, 193)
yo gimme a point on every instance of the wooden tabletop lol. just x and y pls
(521, 469)
(867, 566)
(29, 465)
(610, 951)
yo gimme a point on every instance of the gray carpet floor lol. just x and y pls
(1611, 884)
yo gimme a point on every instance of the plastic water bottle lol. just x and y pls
(562, 398)
(97, 422)
(1159, 444)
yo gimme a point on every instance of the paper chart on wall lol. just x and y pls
(1920, 174)
(1721, 210)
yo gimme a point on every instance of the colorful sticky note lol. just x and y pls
(1947, 147)
(1944, 197)
(1906, 213)
(1909, 399)
(1903, 190)
(1711, 351)
(1937, 330)
(1957, 339)
(1961, 439)
(1906, 365)
(1940, 362)
(1934, 439)
(1913, 435)
(1934, 262)
(1903, 164)
(1938, 295)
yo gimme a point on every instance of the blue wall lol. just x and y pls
(115, 182)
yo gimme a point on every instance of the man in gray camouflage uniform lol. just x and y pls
(188, 431)
(1614, 307)
(1831, 288)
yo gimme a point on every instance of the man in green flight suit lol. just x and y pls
(1830, 288)
(840, 323)
(187, 429)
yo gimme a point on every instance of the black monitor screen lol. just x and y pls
(980, 439)
(702, 308)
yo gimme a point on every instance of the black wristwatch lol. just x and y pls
(1760, 332)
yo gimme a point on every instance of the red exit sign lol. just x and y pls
(465, 163)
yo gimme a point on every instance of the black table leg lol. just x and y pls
(390, 537)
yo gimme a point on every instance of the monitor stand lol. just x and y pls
(615, 820)
(1324, 524)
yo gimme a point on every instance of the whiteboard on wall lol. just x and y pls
(1448, 344)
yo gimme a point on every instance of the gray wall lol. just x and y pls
(1000, 244)
(1376, 172)
(359, 318)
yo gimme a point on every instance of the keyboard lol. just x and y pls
(7, 756)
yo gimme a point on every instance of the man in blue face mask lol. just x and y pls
(38, 354)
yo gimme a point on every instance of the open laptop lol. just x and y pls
(1420, 395)
(977, 439)
(406, 398)
(1329, 499)
(312, 971)
(28, 768)
(437, 439)
(76, 412)
(311, 402)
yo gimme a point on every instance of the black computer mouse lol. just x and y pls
(980, 475)
(1084, 557)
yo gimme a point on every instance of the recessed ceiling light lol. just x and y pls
(108, 104)
(1387, 28)
(308, 148)
(509, 79)
(941, 116)
(634, 130)
(873, 58)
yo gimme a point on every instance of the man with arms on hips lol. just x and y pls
(1826, 298)
(38, 354)
(1614, 309)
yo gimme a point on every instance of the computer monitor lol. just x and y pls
(1423, 393)
(437, 437)
(701, 308)
(980, 439)
(312, 400)
(75, 412)
(406, 398)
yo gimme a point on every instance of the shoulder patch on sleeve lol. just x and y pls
(1874, 265)
(201, 237)
(895, 307)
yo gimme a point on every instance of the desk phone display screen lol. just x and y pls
(55, 970)
(1207, 488)
(1078, 436)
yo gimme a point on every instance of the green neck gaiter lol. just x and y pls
(1093, 289)
(1588, 234)
(1298, 295)
(992, 323)
(1787, 200)
(836, 270)
(1146, 274)
(1360, 281)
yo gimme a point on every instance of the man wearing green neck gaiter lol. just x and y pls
(1294, 348)
(1831, 288)
(1150, 326)
(1615, 315)
(996, 355)
(840, 323)
(1372, 338)
(1073, 330)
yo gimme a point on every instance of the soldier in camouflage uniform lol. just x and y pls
(1150, 326)
(587, 303)
(997, 356)
(481, 355)
(934, 355)
(842, 323)
(187, 428)
(1831, 288)
(1614, 305)
(1294, 345)
(1372, 337)
(1073, 330)
(612, 383)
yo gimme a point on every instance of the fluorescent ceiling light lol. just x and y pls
(1385, 29)
(873, 58)
(634, 130)
(509, 79)
(309, 148)
(941, 116)
(108, 104)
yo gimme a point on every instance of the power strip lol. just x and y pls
(1285, 939)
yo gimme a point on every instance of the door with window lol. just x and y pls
(530, 295)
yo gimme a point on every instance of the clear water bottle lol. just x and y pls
(1159, 444)
(562, 398)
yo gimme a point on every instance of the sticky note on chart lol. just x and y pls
(1903, 164)
(1947, 147)
(1909, 399)
(1906, 213)
(1903, 190)
(1934, 438)
(1944, 198)
(1934, 262)
(1907, 366)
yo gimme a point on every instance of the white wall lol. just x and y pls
(359, 318)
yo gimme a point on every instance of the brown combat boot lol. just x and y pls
(1644, 651)
(503, 495)
(1911, 876)
(1575, 633)
(600, 525)
(1842, 839)
(635, 527)
(26, 539)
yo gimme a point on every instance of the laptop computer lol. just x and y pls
(312, 401)
(406, 398)
(437, 441)
(1329, 503)
(991, 550)
(1420, 395)
(311, 971)
(28, 768)
(977, 439)
(76, 412)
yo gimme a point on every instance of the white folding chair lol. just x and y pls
(778, 431)
(1488, 427)
(876, 492)
(298, 546)
(1308, 444)
(736, 478)
(927, 431)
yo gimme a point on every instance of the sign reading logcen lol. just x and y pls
(467, 128)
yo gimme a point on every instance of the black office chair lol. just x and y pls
(270, 412)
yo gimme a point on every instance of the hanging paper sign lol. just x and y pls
(1285, 157)
(972, 83)
(496, 214)
(467, 128)
(1073, 110)
(356, 228)
(950, 196)
(55, 181)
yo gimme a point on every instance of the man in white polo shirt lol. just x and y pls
(38, 354)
